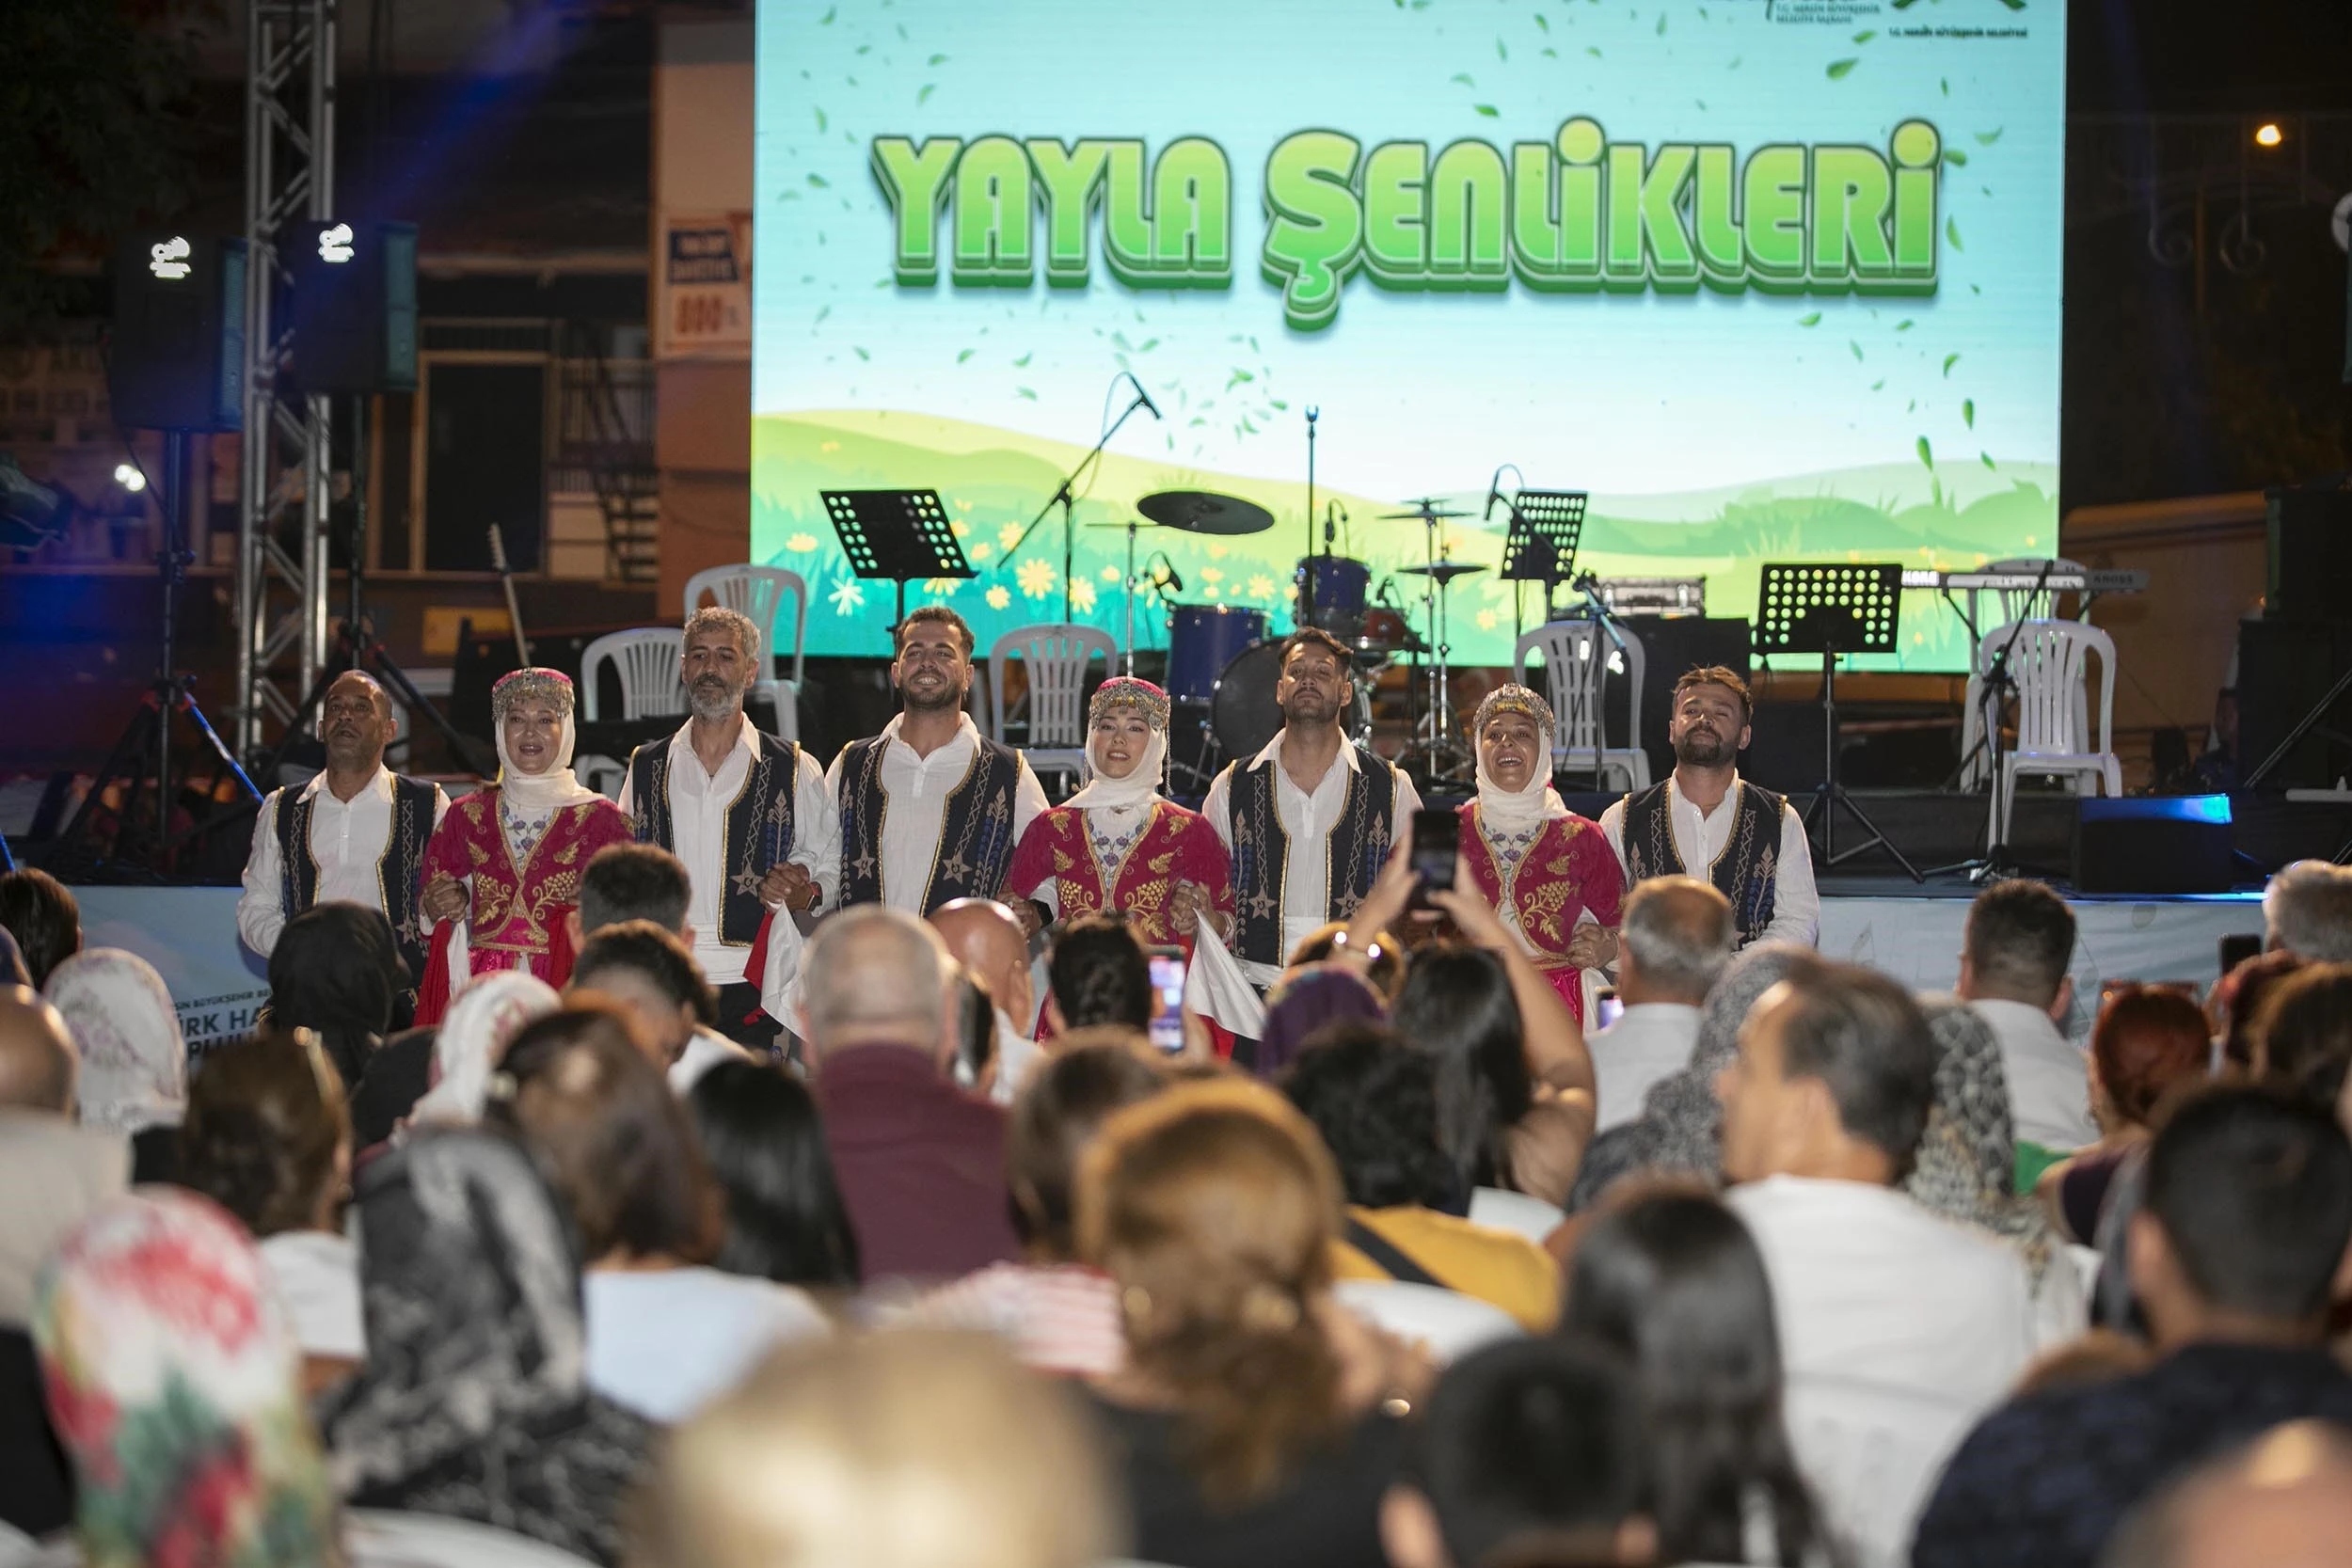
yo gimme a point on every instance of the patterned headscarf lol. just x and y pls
(1681, 1124)
(474, 1399)
(472, 1038)
(1306, 1001)
(1515, 811)
(134, 1065)
(175, 1386)
(1142, 782)
(1965, 1167)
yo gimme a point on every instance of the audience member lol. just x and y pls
(666, 1334)
(896, 1450)
(1526, 1453)
(335, 971)
(1059, 1315)
(474, 1401)
(1668, 1277)
(1681, 1124)
(2234, 1253)
(1823, 1109)
(41, 913)
(72, 1169)
(471, 1040)
(1672, 948)
(1374, 1102)
(1255, 1422)
(2147, 1042)
(921, 1162)
(12, 970)
(985, 937)
(1386, 972)
(134, 1063)
(972, 1020)
(2237, 999)
(2303, 1035)
(2283, 1500)
(1966, 1165)
(632, 881)
(650, 974)
(2307, 910)
(784, 1218)
(2013, 960)
(1304, 1002)
(268, 1139)
(1097, 973)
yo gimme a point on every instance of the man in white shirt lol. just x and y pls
(2012, 970)
(1672, 947)
(1898, 1327)
(354, 835)
(750, 817)
(1309, 819)
(930, 809)
(1705, 820)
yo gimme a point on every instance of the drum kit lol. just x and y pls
(1223, 664)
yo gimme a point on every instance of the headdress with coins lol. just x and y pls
(1514, 699)
(536, 684)
(1517, 810)
(1130, 691)
(1125, 693)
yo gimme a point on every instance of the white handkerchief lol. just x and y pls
(1216, 987)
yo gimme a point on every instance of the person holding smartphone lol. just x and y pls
(1549, 873)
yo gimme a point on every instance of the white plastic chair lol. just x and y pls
(761, 592)
(1578, 656)
(2017, 604)
(1056, 655)
(1448, 1323)
(1873, 1454)
(647, 658)
(1530, 1217)
(603, 774)
(2047, 661)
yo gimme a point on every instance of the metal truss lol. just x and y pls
(282, 487)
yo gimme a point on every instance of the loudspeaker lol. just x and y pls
(355, 305)
(176, 360)
(2158, 845)
(2284, 669)
(2311, 553)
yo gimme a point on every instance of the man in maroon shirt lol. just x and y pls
(920, 1161)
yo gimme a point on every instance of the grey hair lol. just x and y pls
(873, 967)
(746, 633)
(2307, 910)
(1680, 933)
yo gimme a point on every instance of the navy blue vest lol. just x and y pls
(1353, 852)
(759, 824)
(398, 871)
(975, 832)
(1747, 870)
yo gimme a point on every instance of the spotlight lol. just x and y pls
(2268, 135)
(129, 477)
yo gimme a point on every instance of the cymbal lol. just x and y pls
(1425, 507)
(1444, 571)
(1205, 512)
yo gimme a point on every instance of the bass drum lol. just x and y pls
(1202, 638)
(1243, 714)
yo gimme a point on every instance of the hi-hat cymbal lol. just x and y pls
(1205, 512)
(1444, 571)
(1427, 508)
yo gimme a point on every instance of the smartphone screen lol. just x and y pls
(1437, 839)
(2238, 948)
(1167, 998)
(1607, 1009)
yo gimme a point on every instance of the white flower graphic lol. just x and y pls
(1082, 594)
(998, 598)
(848, 598)
(1260, 587)
(1210, 573)
(979, 552)
(959, 528)
(942, 585)
(1009, 535)
(1036, 578)
(1218, 550)
(1489, 620)
(800, 544)
(1110, 574)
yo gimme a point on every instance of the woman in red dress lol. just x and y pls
(1118, 846)
(502, 869)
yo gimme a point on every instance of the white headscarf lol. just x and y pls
(537, 793)
(1515, 811)
(134, 1064)
(473, 1035)
(1138, 788)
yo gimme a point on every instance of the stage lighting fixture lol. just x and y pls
(2268, 135)
(130, 478)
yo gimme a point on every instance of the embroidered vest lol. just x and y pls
(1745, 872)
(976, 836)
(399, 871)
(1352, 852)
(758, 832)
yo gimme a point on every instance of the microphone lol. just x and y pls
(1494, 493)
(1332, 516)
(1167, 577)
(1145, 398)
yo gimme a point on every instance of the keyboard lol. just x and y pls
(2107, 580)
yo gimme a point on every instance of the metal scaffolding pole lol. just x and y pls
(283, 482)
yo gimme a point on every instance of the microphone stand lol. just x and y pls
(1307, 567)
(1997, 862)
(1064, 497)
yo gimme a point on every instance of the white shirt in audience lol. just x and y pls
(317, 1276)
(666, 1342)
(1649, 1041)
(2049, 1078)
(1871, 1286)
(705, 1049)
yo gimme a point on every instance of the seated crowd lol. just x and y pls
(1786, 1265)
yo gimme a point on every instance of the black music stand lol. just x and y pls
(1547, 526)
(1832, 608)
(904, 535)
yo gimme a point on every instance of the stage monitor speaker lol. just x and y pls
(355, 305)
(2284, 668)
(2153, 845)
(176, 359)
(2311, 551)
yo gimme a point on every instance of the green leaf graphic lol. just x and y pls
(1840, 69)
(1969, 411)
(1464, 77)
(1926, 452)
(1866, 35)
(1955, 157)
(1488, 110)
(1951, 232)
(1026, 392)
(1950, 360)
(1857, 347)
(964, 355)
(1987, 458)
(1811, 318)
(1986, 138)
(929, 88)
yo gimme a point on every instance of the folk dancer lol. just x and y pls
(1548, 872)
(1707, 822)
(504, 868)
(356, 834)
(749, 816)
(1118, 846)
